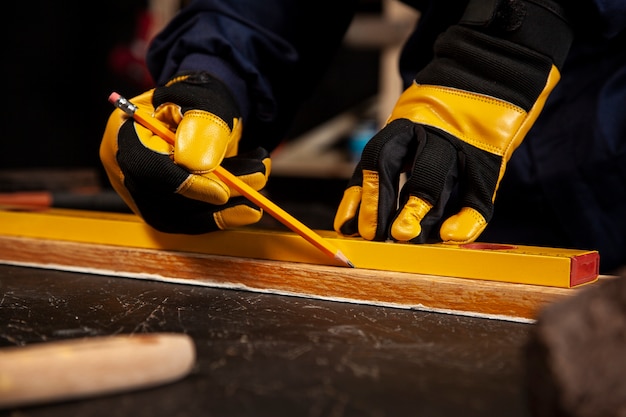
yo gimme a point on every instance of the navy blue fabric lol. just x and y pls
(270, 52)
(613, 15)
(565, 186)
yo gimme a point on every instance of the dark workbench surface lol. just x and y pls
(269, 355)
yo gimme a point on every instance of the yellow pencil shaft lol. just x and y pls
(158, 128)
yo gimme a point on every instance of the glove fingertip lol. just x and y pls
(407, 225)
(205, 188)
(239, 215)
(463, 227)
(347, 212)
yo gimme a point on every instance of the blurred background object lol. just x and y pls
(576, 354)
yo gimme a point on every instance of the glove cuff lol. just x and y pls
(540, 25)
(472, 61)
(502, 48)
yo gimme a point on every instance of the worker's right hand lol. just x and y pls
(453, 131)
(172, 187)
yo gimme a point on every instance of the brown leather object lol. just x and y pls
(576, 355)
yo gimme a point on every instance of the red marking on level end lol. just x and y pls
(584, 268)
(488, 246)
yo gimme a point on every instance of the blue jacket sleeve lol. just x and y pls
(270, 54)
(613, 16)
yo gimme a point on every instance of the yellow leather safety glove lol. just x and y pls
(454, 129)
(172, 187)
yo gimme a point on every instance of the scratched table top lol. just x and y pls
(272, 355)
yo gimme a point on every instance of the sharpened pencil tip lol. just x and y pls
(341, 257)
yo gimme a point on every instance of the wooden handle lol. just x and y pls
(70, 369)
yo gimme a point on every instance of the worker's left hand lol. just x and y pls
(172, 186)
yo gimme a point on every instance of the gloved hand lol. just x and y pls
(173, 187)
(454, 129)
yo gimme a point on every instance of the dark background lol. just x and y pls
(58, 75)
(62, 60)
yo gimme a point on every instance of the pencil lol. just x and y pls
(159, 129)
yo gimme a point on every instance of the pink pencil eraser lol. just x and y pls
(114, 97)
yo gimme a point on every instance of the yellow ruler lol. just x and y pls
(565, 268)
